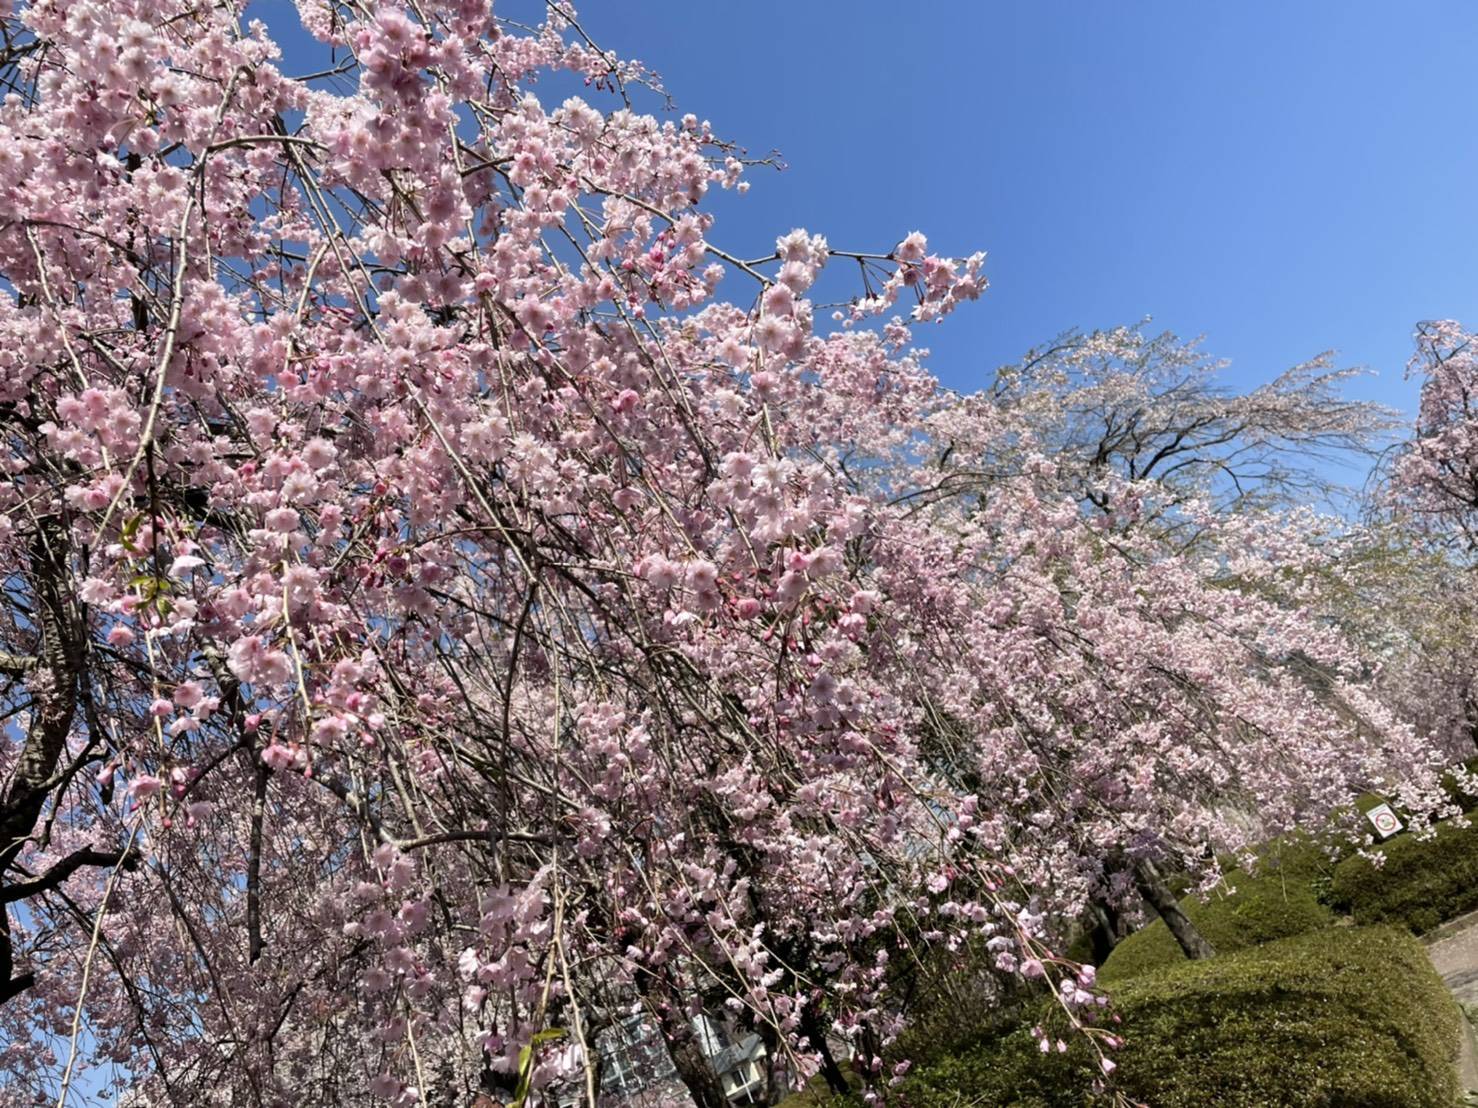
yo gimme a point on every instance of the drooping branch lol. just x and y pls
(53, 877)
(254, 943)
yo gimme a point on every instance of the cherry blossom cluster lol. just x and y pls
(439, 627)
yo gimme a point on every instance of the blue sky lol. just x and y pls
(1284, 178)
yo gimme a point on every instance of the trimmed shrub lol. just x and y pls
(1278, 902)
(1343, 1016)
(815, 1094)
(1423, 883)
(956, 997)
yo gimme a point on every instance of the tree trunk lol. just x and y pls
(53, 688)
(1153, 888)
(777, 1073)
(692, 1065)
(814, 1030)
(52, 685)
(1106, 932)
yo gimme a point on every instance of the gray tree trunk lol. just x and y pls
(1153, 888)
(693, 1067)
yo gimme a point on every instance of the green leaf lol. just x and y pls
(131, 530)
(526, 1062)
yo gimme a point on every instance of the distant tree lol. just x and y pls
(1405, 588)
(1150, 407)
(1435, 476)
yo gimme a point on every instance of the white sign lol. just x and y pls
(1383, 820)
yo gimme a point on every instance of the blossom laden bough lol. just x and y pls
(440, 628)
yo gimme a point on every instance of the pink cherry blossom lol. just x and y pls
(500, 634)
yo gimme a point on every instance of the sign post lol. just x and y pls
(1384, 820)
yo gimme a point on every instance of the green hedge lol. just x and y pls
(1278, 902)
(1423, 883)
(1347, 1017)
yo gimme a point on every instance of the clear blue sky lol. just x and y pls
(1282, 177)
